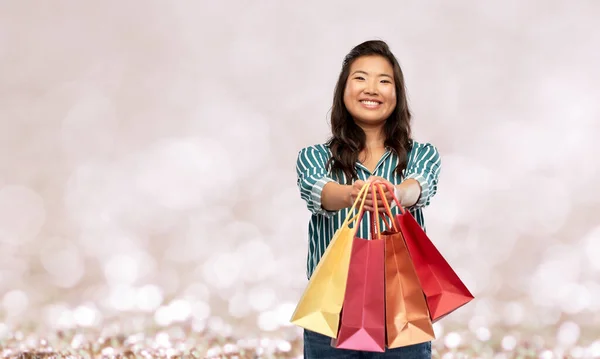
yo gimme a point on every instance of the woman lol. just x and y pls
(371, 141)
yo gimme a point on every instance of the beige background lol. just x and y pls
(148, 152)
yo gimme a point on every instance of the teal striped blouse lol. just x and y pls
(423, 165)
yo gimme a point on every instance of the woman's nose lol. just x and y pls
(371, 88)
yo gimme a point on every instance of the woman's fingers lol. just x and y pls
(369, 204)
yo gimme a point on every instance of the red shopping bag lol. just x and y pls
(362, 324)
(444, 290)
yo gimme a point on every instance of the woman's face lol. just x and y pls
(370, 93)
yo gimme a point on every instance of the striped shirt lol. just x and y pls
(312, 175)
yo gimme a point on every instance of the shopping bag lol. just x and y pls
(362, 324)
(320, 305)
(444, 290)
(406, 312)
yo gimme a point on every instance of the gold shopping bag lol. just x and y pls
(321, 303)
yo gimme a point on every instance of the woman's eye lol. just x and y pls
(359, 78)
(386, 81)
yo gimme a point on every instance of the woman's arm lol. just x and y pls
(336, 196)
(312, 179)
(321, 193)
(420, 183)
(408, 192)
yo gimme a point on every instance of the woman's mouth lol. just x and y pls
(370, 104)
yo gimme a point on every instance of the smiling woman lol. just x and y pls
(371, 141)
(370, 95)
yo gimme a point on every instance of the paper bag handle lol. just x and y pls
(375, 229)
(393, 192)
(361, 198)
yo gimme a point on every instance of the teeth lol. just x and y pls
(370, 103)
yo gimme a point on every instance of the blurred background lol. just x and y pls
(147, 170)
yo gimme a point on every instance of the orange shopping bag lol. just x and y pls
(407, 315)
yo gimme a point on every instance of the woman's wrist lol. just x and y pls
(349, 199)
(408, 192)
(398, 193)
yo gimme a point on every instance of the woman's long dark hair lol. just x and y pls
(348, 139)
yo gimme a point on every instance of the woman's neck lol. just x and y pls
(375, 138)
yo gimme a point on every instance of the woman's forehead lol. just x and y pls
(372, 65)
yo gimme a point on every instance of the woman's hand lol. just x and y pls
(369, 203)
(354, 191)
(388, 189)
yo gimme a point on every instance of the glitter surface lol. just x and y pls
(183, 341)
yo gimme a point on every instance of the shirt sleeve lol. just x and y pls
(311, 178)
(424, 166)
